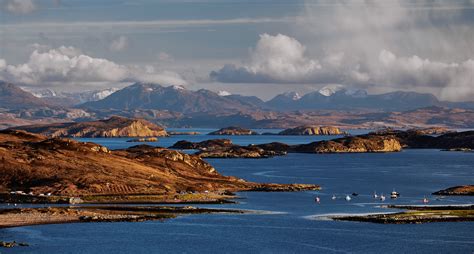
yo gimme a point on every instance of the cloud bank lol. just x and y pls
(282, 59)
(19, 6)
(119, 44)
(68, 66)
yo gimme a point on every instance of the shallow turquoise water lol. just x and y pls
(293, 222)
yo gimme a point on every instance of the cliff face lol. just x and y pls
(358, 144)
(233, 131)
(313, 130)
(112, 127)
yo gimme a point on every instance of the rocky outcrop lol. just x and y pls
(461, 141)
(224, 148)
(151, 139)
(252, 152)
(175, 133)
(464, 190)
(416, 215)
(211, 144)
(231, 131)
(112, 127)
(358, 144)
(431, 131)
(311, 130)
(62, 168)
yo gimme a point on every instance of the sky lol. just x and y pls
(250, 47)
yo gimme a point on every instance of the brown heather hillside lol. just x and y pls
(65, 167)
(113, 127)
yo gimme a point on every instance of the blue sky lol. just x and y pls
(251, 47)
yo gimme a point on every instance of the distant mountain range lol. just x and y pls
(14, 98)
(174, 98)
(340, 98)
(178, 106)
(71, 99)
(179, 99)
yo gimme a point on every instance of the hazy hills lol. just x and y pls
(177, 106)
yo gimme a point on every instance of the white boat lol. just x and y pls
(382, 197)
(425, 201)
(348, 198)
(333, 197)
(375, 195)
(393, 195)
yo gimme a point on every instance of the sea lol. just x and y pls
(287, 222)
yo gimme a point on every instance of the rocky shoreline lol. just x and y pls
(224, 148)
(78, 214)
(463, 190)
(375, 142)
(416, 215)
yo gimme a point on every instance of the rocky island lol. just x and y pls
(113, 127)
(76, 214)
(414, 139)
(357, 144)
(416, 215)
(233, 131)
(37, 168)
(224, 148)
(463, 190)
(376, 142)
(150, 139)
(312, 130)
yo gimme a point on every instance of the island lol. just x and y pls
(462, 190)
(233, 131)
(115, 126)
(175, 133)
(75, 214)
(150, 139)
(312, 130)
(416, 215)
(56, 170)
(224, 148)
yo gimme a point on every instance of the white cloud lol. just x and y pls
(282, 59)
(67, 65)
(119, 43)
(278, 58)
(20, 6)
(3, 64)
(454, 80)
(163, 56)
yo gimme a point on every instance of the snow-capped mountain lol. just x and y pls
(141, 96)
(70, 98)
(330, 90)
(96, 95)
(223, 93)
(342, 98)
(43, 93)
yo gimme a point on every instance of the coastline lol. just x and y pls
(19, 217)
(415, 215)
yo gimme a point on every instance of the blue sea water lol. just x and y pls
(287, 222)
